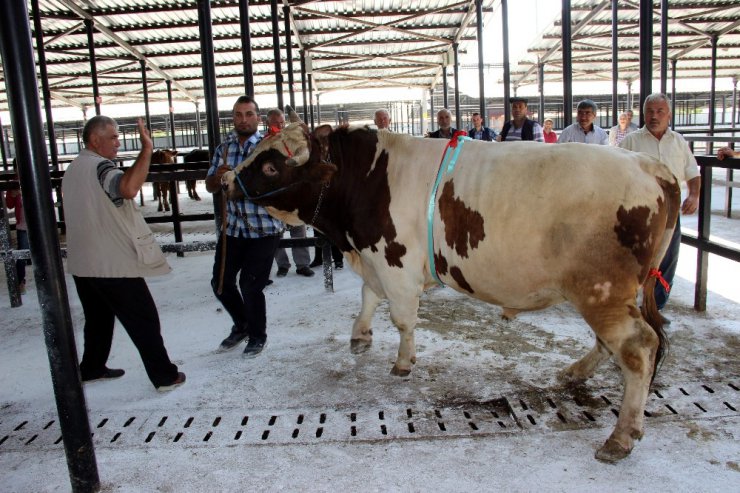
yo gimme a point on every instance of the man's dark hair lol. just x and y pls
(96, 124)
(246, 100)
(476, 114)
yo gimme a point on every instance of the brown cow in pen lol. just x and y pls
(162, 188)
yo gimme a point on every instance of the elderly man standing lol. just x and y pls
(520, 127)
(382, 119)
(444, 121)
(110, 249)
(656, 139)
(618, 132)
(584, 130)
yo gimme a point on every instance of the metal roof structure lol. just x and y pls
(350, 44)
(691, 26)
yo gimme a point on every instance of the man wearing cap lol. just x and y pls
(584, 130)
(520, 127)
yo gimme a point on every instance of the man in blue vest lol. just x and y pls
(520, 127)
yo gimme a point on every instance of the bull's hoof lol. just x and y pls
(359, 346)
(159, 209)
(571, 377)
(612, 451)
(196, 197)
(400, 372)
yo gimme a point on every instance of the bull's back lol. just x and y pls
(520, 221)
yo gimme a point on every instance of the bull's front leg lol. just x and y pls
(362, 332)
(403, 314)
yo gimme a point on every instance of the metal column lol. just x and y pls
(567, 66)
(673, 93)
(541, 87)
(479, 23)
(41, 53)
(23, 100)
(507, 69)
(432, 120)
(171, 110)
(310, 96)
(289, 53)
(663, 46)
(444, 83)
(303, 86)
(3, 149)
(713, 94)
(646, 52)
(209, 74)
(145, 86)
(93, 65)
(276, 53)
(246, 47)
(457, 85)
(615, 62)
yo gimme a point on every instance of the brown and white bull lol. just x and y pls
(520, 225)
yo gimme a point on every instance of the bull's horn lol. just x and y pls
(300, 158)
(292, 115)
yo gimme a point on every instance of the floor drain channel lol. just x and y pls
(526, 412)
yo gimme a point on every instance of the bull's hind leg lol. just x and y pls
(362, 332)
(634, 344)
(584, 368)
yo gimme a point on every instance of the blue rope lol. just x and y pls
(446, 167)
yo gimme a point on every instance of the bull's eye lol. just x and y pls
(269, 170)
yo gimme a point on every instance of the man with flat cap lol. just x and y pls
(520, 127)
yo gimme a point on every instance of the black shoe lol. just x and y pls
(269, 281)
(234, 338)
(176, 383)
(339, 265)
(316, 263)
(254, 347)
(282, 271)
(304, 271)
(108, 373)
(666, 321)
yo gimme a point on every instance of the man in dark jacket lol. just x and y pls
(520, 127)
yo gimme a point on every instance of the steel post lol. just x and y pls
(23, 100)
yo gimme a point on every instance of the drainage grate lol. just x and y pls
(535, 411)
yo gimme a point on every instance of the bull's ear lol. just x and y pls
(322, 134)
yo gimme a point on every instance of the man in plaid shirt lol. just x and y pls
(252, 237)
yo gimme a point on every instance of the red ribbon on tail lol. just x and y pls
(659, 276)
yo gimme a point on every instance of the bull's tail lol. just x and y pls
(672, 198)
(653, 317)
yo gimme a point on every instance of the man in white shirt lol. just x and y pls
(656, 139)
(584, 130)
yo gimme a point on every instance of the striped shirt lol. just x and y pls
(258, 222)
(109, 177)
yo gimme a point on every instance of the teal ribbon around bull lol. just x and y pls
(446, 167)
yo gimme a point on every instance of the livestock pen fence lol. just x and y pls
(197, 171)
(164, 173)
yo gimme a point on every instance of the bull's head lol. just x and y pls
(284, 169)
